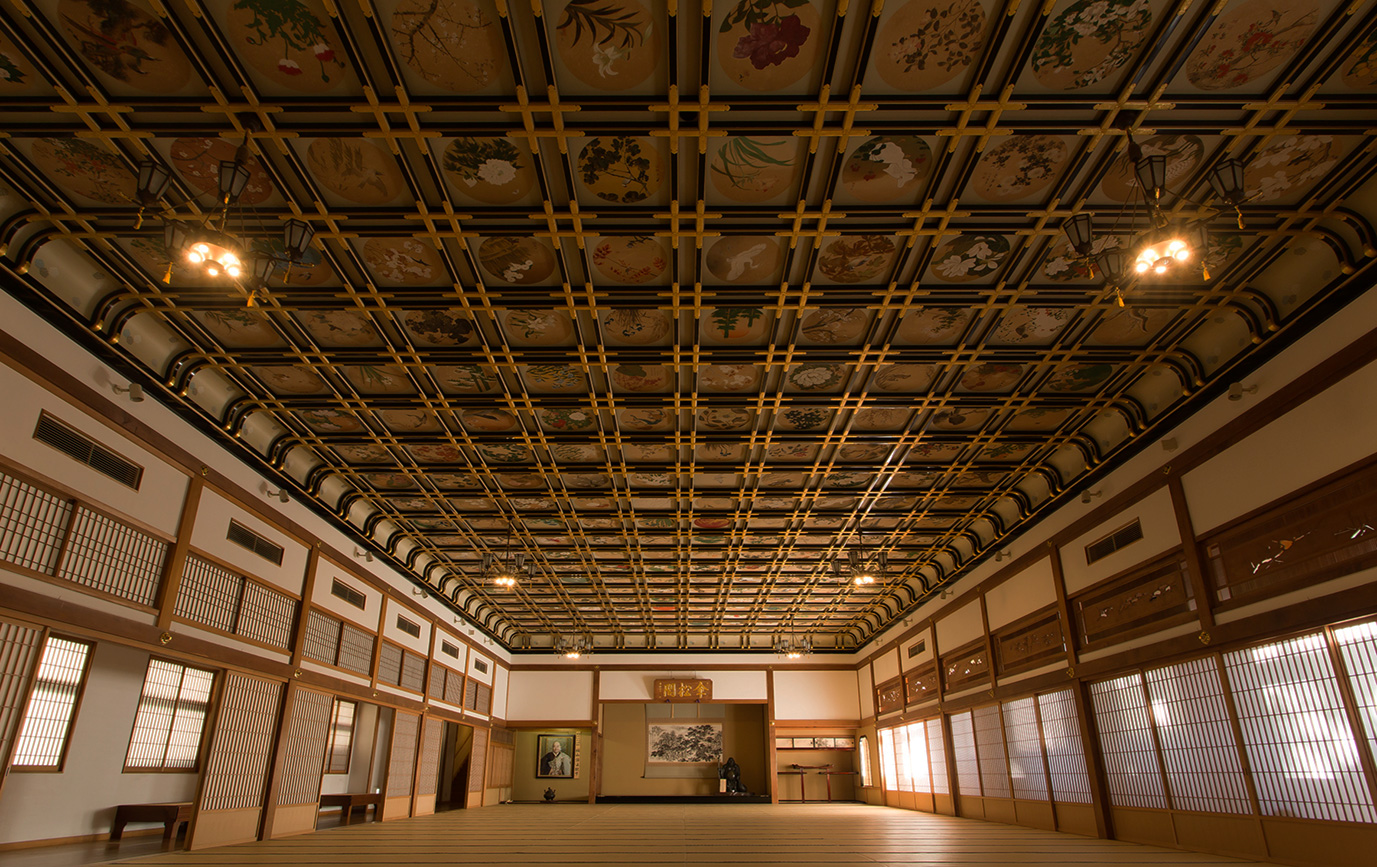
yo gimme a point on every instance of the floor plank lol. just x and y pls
(710, 835)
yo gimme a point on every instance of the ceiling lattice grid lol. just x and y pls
(687, 301)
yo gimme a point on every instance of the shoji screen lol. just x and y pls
(236, 774)
(401, 765)
(298, 790)
(428, 766)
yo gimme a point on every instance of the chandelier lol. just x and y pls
(206, 245)
(859, 569)
(792, 646)
(1170, 245)
(572, 648)
(504, 573)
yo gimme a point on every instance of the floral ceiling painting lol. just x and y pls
(680, 297)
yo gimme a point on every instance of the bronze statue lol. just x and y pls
(731, 772)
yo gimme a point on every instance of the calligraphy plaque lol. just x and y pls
(683, 689)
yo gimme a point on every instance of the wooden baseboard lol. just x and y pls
(80, 838)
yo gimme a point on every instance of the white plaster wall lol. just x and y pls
(959, 626)
(82, 799)
(213, 518)
(419, 645)
(458, 663)
(918, 657)
(157, 502)
(481, 676)
(816, 695)
(1325, 434)
(634, 685)
(549, 695)
(886, 666)
(865, 691)
(1029, 590)
(1160, 534)
(501, 685)
(321, 597)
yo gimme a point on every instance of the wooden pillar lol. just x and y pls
(771, 756)
(308, 586)
(1195, 564)
(176, 558)
(1090, 744)
(265, 831)
(595, 762)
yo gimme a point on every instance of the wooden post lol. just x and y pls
(1195, 564)
(771, 756)
(595, 761)
(1090, 745)
(284, 721)
(176, 558)
(308, 586)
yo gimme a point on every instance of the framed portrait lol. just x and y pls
(555, 757)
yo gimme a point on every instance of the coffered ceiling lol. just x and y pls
(691, 299)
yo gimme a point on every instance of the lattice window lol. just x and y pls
(213, 596)
(48, 718)
(107, 555)
(356, 649)
(208, 594)
(964, 754)
(1029, 775)
(1130, 756)
(936, 748)
(1359, 647)
(1197, 739)
(322, 638)
(887, 765)
(171, 717)
(340, 743)
(863, 752)
(401, 763)
(436, 688)
(20, 647)
(989, 748)
(1061, 737)
(454, 688)
(304, 748)
(33, 523)
(389, 664)
(267, 616)
(413, 671)
(1302, 751)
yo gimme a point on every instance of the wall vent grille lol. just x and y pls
(246, 538)
(91, 453)
(1120, 538)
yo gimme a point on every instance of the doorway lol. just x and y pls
(455, 753)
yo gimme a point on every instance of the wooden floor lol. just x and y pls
(719, 835)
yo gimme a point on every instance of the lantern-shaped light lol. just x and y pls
(153, 181)
(1226, 178)
(234, 177)
(1151, 173)
(296, 237)
(1080, 232)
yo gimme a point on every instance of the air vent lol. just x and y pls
(481, 666)
(917, 647)
(1120, 538)
(449, 649)
(246, 538)
(409, 627)
(343, 591)
(88, 451)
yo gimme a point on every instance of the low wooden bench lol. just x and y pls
(171, 815)
(348, 801)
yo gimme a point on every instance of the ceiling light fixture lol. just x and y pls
(135, 391)
(793, 646)
(572, 648)
(1168, 246)
(1238, 389)
(504, 573)
(859, 569)
(208, 246)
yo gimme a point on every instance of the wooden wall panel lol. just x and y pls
(1145, 600)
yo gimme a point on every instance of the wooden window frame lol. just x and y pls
(61, 765)
(205, 724)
